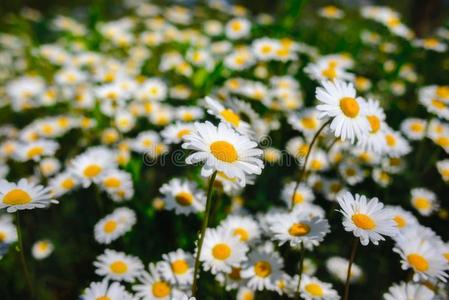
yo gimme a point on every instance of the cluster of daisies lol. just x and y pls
(208, 91)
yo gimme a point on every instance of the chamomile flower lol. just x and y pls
(109, 229)
(63, 183)
(314, 289)
(49, 166)
(338, 101)
(406, 291)
(175, 133)
(237, 28)
(223, 149)
(8, 232)
(227, 115)
(443, 169)
(244, 227)
(367, 219)
(263, 269)
(299, 228)
(331, 12)
(231, 280)
(424, 201)
(42, 249)
(23, 195)
(395, 144)
(303, 194)
(92, 164)
(183, 196)
(177, 267)
(245, 293)
(118, 266)
(105, 290)
(423, 258)
(114, 180)
(152, 286)
(404, 219)
(351, 173)
(306, 121)
(374, 140)
(222, 250)
(35, 150)
(414, 129)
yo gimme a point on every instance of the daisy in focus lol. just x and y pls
(367, 219)
(223, 149)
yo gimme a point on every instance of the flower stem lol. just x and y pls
(351, 260)
(22, 256)
(301, 267)
(202, 233)
(302, 171)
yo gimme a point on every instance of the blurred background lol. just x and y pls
(421, 15)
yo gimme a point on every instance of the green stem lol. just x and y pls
(301, 268)
(22, 256)
(303, 169)
(351, 260)
(202, 233)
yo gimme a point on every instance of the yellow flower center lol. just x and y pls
(418, 262)
(329, 73)
(431, 42)
(302, 150)
(161, 289)
(262, 268)
(224, 151)
(350, 107)
(111, 182)
(119, 267)
(184, 198)
(103, 298)
(446, 256)
(314, 289)
(248, 295)
(299, 229)
(221, 251)
(442, 91)
(417, 127)
(182, 133)
(400, 221)
(110, 226)
(236, 26)
(92, 170)
(265, 49)
(16, 197)
(179, 266)
(422, 203)
(242, 233)
(363, 221)
(68, 183)
(231, 117)
(42, 246)
(2, 236)
(438, 104)
(35, 151)
(374, 123)
(350, 172)
(391, 140)
(298, 198)
(315, 164)
(309, 122)
(443, 141)
(235, 273)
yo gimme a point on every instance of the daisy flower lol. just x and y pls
(422, 257)
(351, 173)
(118, 266)
(263, 269)
(223, 149)
(299, 228)
(395, 144)
(404, 219)
(92, 164)
(105, 290)
(414, 128)
(111, 227)
(237, 28)
(406, 291)
(42, 249)
(152, 286)
(338, 101)
(374, 140)
(63, 183)
(367, 219)
(244, 227)
(35, 150)
(8, 232)
(314, 289)
(306, 121)
(23, 195)
(303, 194)
(175, 133)
(231, 280)
(113, 179)
(245, 293)
(227, 115)
(183, 196)
(443, 169)
(424, 201)
(331, 12)
(177, 267)
(222, 251)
